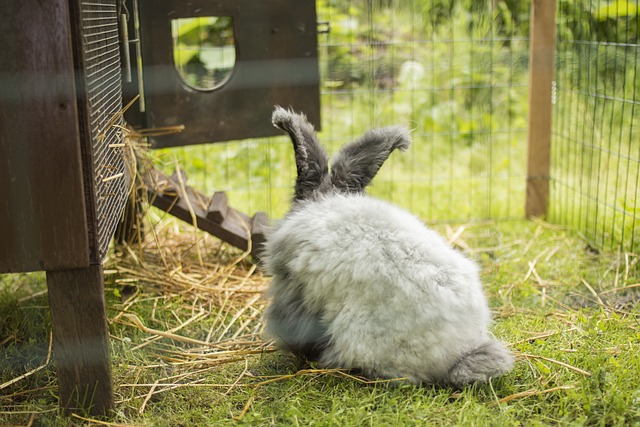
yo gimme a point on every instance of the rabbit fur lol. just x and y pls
(361, 284)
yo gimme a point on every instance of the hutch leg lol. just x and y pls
(81, 339)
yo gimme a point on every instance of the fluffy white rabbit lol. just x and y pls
(359, 283)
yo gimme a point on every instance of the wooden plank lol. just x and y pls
(541, 72)
(191, 208)
(234, 229)
(189, 205)
(218, 207)
(175, 179)
(259, 229)
(81, 339)
(43, 221)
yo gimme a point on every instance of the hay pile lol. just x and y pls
(213, 279)
(186, 302)
(188, 305)
(171, 258)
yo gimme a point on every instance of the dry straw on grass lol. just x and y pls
(224, 292)
(220, 287)
(211, 292)
(191, 306)
(220, 282)
(217, 293)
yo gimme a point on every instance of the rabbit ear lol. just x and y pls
(311, 159)
(355, 165)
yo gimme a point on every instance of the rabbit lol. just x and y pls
(361, 284)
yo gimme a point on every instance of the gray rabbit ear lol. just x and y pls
(311, 159)
(355, 165)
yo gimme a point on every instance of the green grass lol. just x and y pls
(570, 312)
(577, 362)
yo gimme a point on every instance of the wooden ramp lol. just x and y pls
(210, 214)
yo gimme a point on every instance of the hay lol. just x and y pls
(208, 287)
(192, 303)
(532, 392)
(557, 362)
(102, 423)
(219, 284)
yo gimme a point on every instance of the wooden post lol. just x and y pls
(541, 70)
(81, 339)
(43, 213)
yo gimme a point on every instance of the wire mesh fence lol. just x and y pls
(453, 71)
(596, 132)
(456, 73)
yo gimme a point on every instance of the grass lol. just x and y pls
(570, 314)
(184, 310)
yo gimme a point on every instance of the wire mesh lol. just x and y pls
(453, 71)
(100, 58)
(596, 132)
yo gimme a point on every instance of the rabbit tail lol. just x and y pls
(353, 168)
(489, 360)
(311, 159)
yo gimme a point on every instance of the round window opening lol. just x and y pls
(204, 51)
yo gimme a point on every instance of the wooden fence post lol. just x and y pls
(541, 69)
(81, 339)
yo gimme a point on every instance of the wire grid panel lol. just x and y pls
(596, 131)
(453, 71)
(101, 60)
